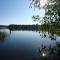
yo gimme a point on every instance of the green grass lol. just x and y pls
(2, 35)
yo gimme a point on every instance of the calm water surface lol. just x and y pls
(26, 45)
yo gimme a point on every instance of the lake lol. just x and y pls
(29, 45)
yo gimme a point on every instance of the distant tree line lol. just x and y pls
(23, 27)
(3, 26)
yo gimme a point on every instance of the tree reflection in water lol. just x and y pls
(51, 35)
(50, 53)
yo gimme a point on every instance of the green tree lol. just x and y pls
(52, 11)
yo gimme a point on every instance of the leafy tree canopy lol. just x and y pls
(52, 10)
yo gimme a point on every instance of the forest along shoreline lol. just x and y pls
(52, 28)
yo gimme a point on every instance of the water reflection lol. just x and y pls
(50, 53)
(21, 44)
(2, 36)
(45, 34)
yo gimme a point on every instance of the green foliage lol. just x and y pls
(2, 35)
(35, 3)
(52, 11)
(37, 17)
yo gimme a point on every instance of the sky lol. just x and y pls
(17, 12)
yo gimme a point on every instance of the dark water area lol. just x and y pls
(29, 45)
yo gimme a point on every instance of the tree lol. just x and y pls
(52, 10)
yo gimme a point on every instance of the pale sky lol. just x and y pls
(17, 12)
